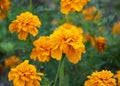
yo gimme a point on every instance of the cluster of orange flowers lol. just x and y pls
(4, 7)
(66, 39)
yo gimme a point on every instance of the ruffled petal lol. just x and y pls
(56, 54)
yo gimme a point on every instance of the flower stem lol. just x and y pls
(57, 73)
(6, 15)
(60, 73)
(30, 5)
(67, 19)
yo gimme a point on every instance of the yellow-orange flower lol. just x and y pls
(118, 77)
(102, 78)
(25, 75)
(91, 13)
(12, 61)
(42, 49)
(116, 28)
(100, 44)
(67, 39)
(4, 6)
(25, 24)
(72, 5)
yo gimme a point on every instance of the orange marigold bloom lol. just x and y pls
(100, 44)
(116, 28)
(25, 75)
(72, 5)
(118, 77)
(4, 6)
(12, 61)
(91, 13)
(25, 24)
(42, 49)
(67, 39)
(102, 78)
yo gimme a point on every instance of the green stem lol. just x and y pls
(67, 19)
(81, 17)
(30, 6)
(60, 72)
(6, 15)
(57, 73)
(4, 12)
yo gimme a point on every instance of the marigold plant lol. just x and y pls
(116, 28)
(4, 6)
(102, 78)
(12, 61)
(91, 13)
(25, 24)
(42, 50)
(72, 5)
(67, 39)
(25, 75)
(100, 44)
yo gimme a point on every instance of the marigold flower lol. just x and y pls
(118, 77)
(25, 75)
(25, 24)
(42, 49)
(102, 78)
(91, 13)
(72, 5)
(67, 39)
(116, 28)
(12, 61)
(4, 6)
(100, 44)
